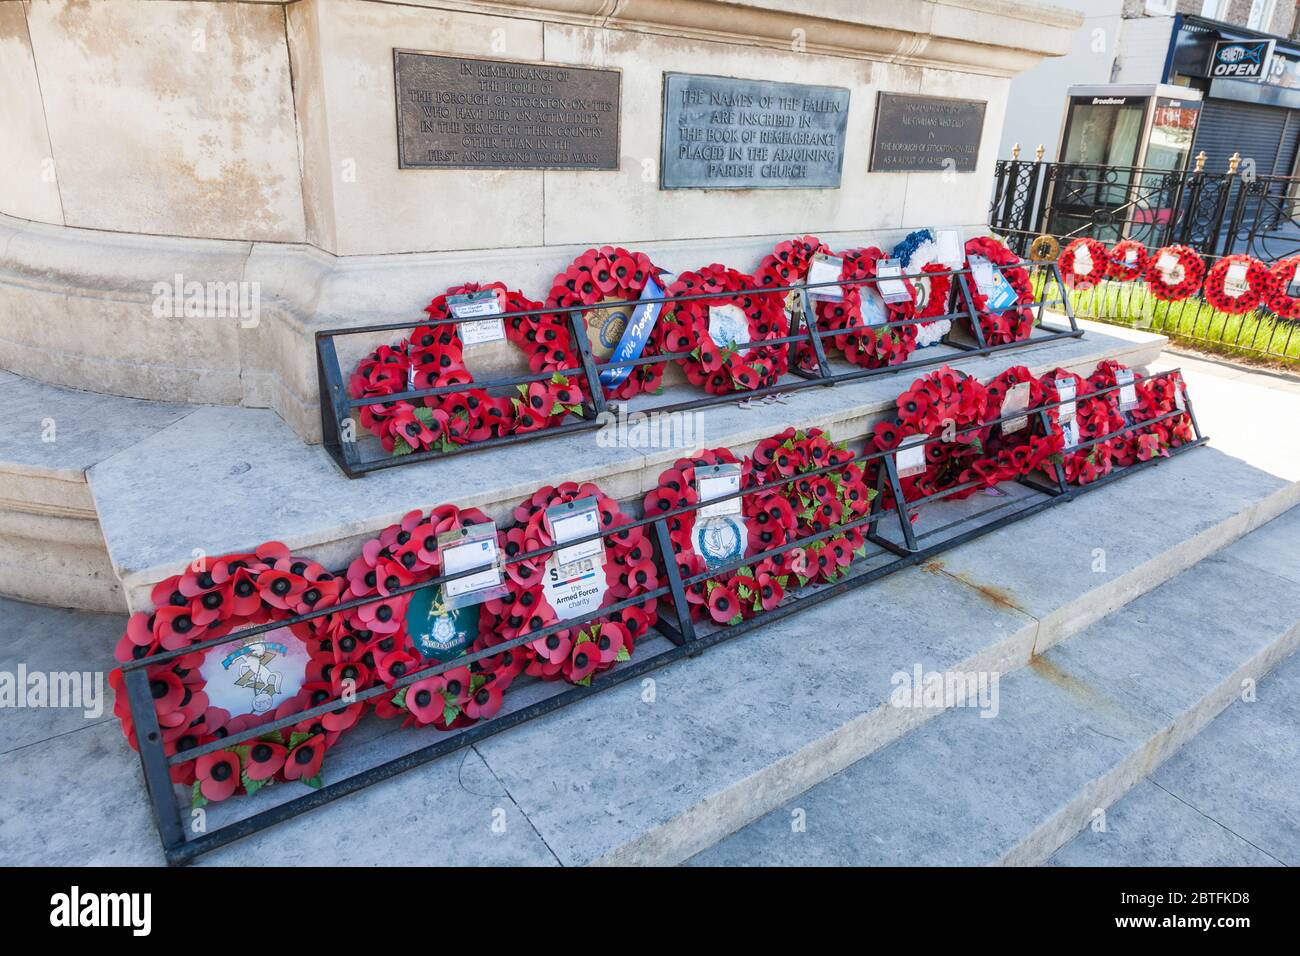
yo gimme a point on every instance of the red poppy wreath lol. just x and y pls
(399, 634)
(539, 595)
(1083, 262)
(205, 696)
(1161, 395)
(1237, 284)
(432, 357)
(1283, 275)
(1127, 260)
(724, 335)
(944, 402)
(1174, 273)
(808, 504)
(607, 274)
(1011, 452)
(1094, 416)
(855, 318)
(1015, 323)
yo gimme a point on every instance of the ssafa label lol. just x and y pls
(573, 581)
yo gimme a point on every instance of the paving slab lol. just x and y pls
(1073, 732)
(226, 479)
(60, 432)
(1227, 798)
(1152, 827)
(52, 642)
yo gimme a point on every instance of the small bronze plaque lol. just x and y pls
(926, 134)
(463, 113)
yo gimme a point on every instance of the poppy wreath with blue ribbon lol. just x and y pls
(1119, 268)
(1282, 274)
(220, 596)
(1015, 323)
(607, 273)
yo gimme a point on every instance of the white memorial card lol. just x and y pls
(1017, 400)
(826, 268)
(474, 306)
(714, 481)
(909, 457)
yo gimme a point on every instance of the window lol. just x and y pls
(1215, 9)
(1161, 8)
(1261, 14)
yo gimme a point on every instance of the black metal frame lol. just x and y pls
(676, 626)
(336, 406)
(1214, 213)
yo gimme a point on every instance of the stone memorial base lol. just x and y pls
(251, 150)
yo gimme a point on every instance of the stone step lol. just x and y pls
(227, 479)
(1068, 735)
(656, 769)
(1228, 798)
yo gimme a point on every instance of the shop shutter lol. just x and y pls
(1255, 131)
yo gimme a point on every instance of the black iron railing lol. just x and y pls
(356, 456)
(1217, 213)
(181, 843)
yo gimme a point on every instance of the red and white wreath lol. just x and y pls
(1175, 272)
(1237, 284)
(724, 334)
(1282, 275)
(576, 654)
(1083, 262)
(206, 696)
(1128, 260)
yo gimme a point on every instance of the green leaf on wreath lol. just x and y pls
(314, 782)
(710, 585)
(861, 552)
(575, 410)
(745, 572)
(197, 799)
(450, 712)
(802, 580)
(558, 379)
(399, 699)
(623, 653)
(783, 580)
(251, 786)
(296, 738)
(735, 620)
(424, 414)
(557, 409)
(585, 682)
(477, 681)
(744, 592)
(523, 390)
(275, 737)
(400, 447)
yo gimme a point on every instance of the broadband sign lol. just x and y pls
(1241, 59)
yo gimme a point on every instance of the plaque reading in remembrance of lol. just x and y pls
(926, 133)
(464, 113)
(722, 133)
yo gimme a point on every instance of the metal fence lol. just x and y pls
(1215, 213)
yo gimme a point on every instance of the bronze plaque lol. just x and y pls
(926, 134)
(725, 133)
(463, 113)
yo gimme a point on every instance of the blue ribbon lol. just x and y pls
(633, 342)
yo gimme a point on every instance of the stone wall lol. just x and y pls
(255, 142)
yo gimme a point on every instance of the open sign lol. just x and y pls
(1241, 59)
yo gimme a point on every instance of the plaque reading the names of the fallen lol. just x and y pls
(463, 113)
(722, 133)
(926, 134)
